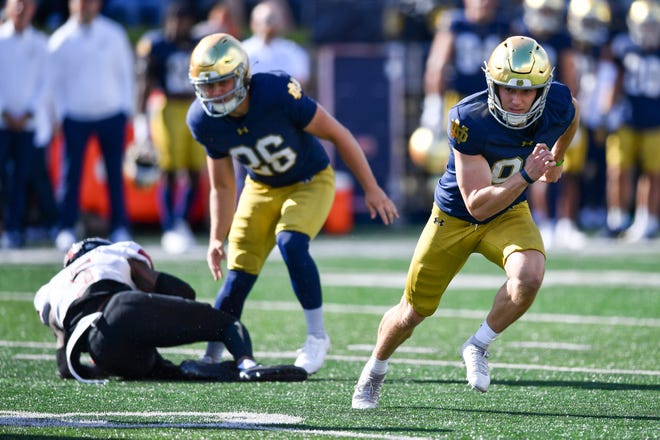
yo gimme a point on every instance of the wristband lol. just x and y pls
(559, 163)
(525, 176)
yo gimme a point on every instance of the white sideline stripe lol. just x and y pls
(556, 318)
(341, 246)
(396, 360)
(462, 281)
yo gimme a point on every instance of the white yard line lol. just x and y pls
(394, 360)
(557, 318)
(339, 246)
(199, 420)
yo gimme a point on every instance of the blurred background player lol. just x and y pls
(634, 149)
(23, 93)
(545, 21)
(163, 59)
(93, 72)
(589, 24)
(271, 127)
(463, 40)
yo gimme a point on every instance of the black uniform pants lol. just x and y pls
(123, 341)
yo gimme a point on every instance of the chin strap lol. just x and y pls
(81, 328)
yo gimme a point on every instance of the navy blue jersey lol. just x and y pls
(473, 44)
(640, 82)
(474, 131)
(269, 140)
(168, 62)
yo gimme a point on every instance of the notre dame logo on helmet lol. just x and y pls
(295, 89)
(458, 132)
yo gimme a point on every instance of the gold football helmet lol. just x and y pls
(588, 21)
(544, 16)
(518, 62)
(219, 57)
(644, 23)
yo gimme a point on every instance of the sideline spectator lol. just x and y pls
(269, 50)
(23, 92)
(94, 92)
(220, 18)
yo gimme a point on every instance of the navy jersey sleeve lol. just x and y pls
(292, 100)
(465, 131)
(559, 104)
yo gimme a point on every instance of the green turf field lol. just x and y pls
(582, 363)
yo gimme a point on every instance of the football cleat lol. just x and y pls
(312, 355)
(521, 63)
(219, 57)
(273, 373)
(367, 390)
(476, 364)
(218, 372)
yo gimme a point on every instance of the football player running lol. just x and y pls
(271, 127)
(500, 144)
(110, 302)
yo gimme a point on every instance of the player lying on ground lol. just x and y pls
(109, 301)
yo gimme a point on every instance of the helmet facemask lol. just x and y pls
(222, 105)
(219, 57)
(518, 63)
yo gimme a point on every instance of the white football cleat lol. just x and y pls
(367, 390)
(179, 239)
(568, 235)
(312, 355)
(476, 363)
